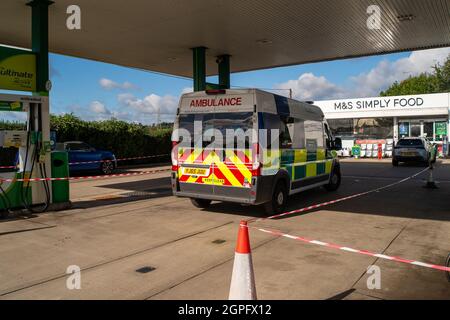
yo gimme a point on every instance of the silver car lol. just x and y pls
(413, 150)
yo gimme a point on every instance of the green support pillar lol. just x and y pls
(224, 71)
(199, 64)
(39, 42)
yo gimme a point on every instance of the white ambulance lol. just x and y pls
(252, 147)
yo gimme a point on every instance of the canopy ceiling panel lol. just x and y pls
(258, 34)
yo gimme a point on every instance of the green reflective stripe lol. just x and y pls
(311, 156)
(320, 168)
(290, 171)
(300, 164)
(287, 157)
(299, 172)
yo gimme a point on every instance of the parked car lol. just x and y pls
(83, 157)
(413, 150)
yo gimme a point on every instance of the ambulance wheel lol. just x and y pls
(279, 199)
(335, 180)
(395, 163)
(200, 203)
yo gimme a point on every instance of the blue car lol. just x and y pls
(83, 157)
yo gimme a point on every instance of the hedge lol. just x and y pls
(123, 138)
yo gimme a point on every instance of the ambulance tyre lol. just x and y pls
(335, 180)
(395, 162)
(201, 203)
(279, 199)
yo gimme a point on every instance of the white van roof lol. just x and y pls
(242, 100)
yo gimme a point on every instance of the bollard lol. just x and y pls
(431, 184)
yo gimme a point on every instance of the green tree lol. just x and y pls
(442, 76)
(435, 82)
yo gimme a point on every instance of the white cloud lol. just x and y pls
(110, 85)
(151, 104)
(311, 87)
(187, 90)
(99, 108)
(387, 72)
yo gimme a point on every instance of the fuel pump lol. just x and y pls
(33, 155)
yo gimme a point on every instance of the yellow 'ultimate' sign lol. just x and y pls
(17, 70)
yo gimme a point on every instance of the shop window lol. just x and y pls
(440, 130)
(366, 128)
(428, 130)
(403, 129)
(341, 127)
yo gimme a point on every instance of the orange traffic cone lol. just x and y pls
(243, 279)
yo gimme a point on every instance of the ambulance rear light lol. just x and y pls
(256, 172)
(256, 165)
(216, 91)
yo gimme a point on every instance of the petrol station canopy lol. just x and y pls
(158, 35)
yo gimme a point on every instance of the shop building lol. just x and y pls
(390, 118)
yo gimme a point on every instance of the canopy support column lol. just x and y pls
(224, 71)
(199, 71)
(39, 42)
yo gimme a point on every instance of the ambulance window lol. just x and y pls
(233, 125)
(286, 130)
(298, 136)
(313, 135)
(269, 122)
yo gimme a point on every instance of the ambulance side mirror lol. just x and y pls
(337, 144)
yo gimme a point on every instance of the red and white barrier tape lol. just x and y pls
(315, 206)
(85, 177)
(8, 167)
(120, 159)
(98, 161)
(364, 252)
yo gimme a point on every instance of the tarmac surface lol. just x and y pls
(133, 240)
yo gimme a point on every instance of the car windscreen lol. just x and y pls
(232, 127)
(410, 143)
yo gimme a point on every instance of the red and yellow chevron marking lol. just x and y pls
(233, 170)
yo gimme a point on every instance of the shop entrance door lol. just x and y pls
(415, 129)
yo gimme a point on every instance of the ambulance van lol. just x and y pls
(251, 147)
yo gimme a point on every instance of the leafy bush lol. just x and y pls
(12, 125)
(123, 138)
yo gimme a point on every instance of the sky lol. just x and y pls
(99, 91)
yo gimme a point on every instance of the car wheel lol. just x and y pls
(201, 203)
(107, 167)
(279, 199)
(335, 181)
(395, 163)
